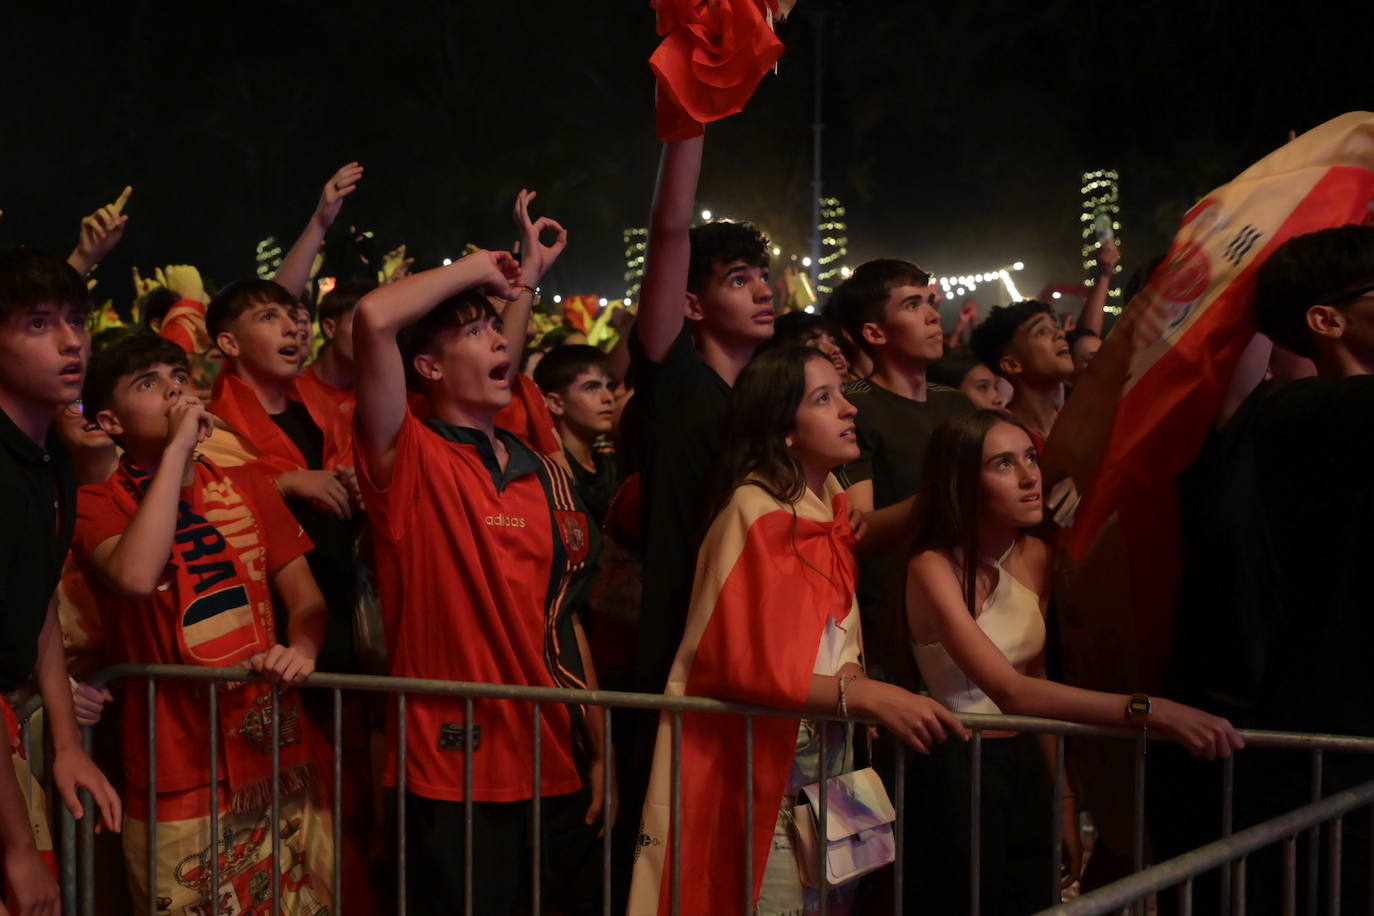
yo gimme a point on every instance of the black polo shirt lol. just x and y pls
(37, 514)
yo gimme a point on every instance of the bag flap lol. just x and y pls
(855, 802)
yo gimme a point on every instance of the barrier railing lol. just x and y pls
(77, 846)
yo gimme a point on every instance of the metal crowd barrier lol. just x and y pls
(77, 847)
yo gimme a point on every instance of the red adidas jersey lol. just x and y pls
(145, 631)
(473, 579)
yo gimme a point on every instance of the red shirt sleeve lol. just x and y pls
(283, 536)
(98, 518)
(389, 508)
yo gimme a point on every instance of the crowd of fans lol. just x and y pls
(831, 512)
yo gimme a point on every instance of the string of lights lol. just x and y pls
(833, 244)
(963, 284)
(268, 257)
(635, 241)
(1100, 220)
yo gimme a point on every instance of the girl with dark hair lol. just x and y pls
(772, 621)
(977, 587)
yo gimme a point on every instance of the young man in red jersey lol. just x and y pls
(482, 548)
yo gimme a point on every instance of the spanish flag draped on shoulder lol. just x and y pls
(1141, 412)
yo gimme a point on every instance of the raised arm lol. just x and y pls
(1093, 315)
(934, 598)
(100, 233)
(294, 273)
(380, 316)
(536, 259)
(669, 251)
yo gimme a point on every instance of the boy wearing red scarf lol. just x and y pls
(185, 557)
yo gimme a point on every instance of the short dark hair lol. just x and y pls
(558, 370)
(454, 312)
(343, 297)
(133, 353)
(32, 278)
(950, 369)
(155, 305)
(860, 299)
(1321, 268)
(1078, 334)
(722, 242)
(992, 337)
(238, 297)
(554, 337)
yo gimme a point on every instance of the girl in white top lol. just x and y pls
(977, 588)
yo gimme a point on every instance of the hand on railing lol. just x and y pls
(1203, 734)
(917, 720)
(73, 771)
(34, 890)
(89, 702)
(285, 665)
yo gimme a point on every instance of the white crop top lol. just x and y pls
(1011, 619)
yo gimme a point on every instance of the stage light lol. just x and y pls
(776, 251)
(603, 302)
(557, 299)
(705, 214)
(1018, 266)
(806, 262)
(448, 261)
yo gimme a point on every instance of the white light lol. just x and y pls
(811, 309)
(628, 303)
(844, 271)
(1018, 266)
(806, 262)
(944, 281)
(448, 261)
(557, 299)
(959, 291)
(1056, 294)
(604, 301)
(776, 251)
(705, 214)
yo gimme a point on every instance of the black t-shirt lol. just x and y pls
(680, 407)
(38, 506)
(893, 433)
(300, 428)
(598, 487)
(1224, 624)
(331, 562)
(1314, 440)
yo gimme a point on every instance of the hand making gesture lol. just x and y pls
(536, 257)
(100, 233)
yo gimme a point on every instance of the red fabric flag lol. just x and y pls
(1141, 411)
(713, 54)
(766, 583)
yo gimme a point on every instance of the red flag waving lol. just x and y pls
(713, 54)
(1141, 412)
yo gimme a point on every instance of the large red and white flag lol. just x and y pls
(1140, 414)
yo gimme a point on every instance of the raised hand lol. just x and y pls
(143, 287)
(184, 280)
(1108, 257)
(537, 257)
(341, 184)
(968, 314)
(100, 233)
(395, 266)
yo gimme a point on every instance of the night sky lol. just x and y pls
(955, 133)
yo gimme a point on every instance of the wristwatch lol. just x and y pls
(1138, 707)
